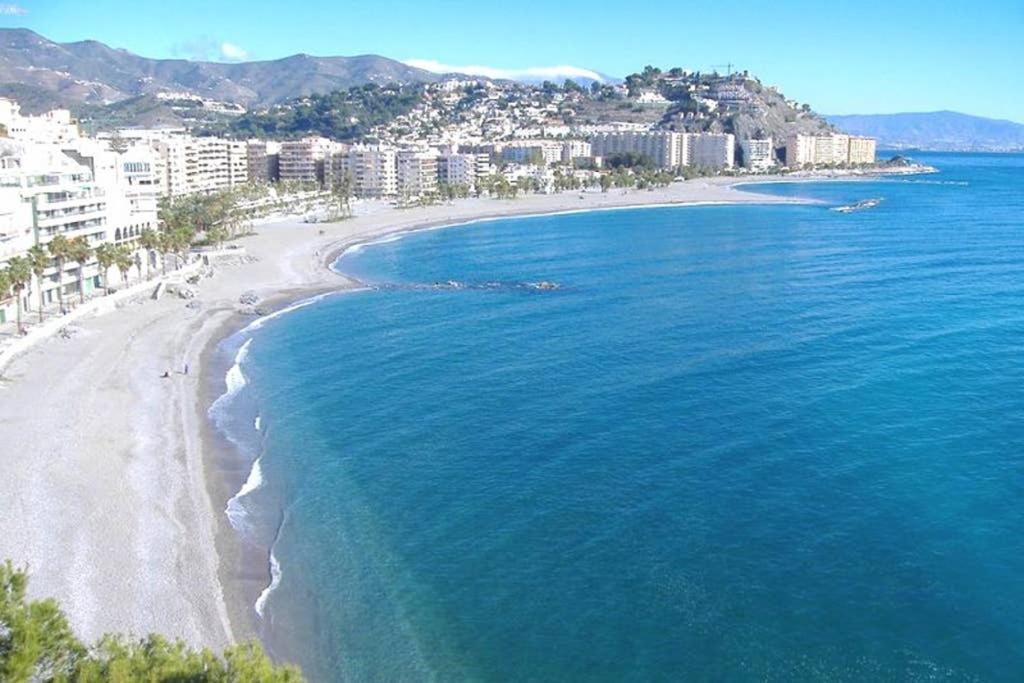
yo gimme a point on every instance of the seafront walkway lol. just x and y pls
(13, 344)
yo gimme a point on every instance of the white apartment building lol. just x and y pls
(263, 157)
(63, 200)
(373, 170)
(710, 150)
(416, 172)
(304, 160)
(541, 152)
(834, 148)
(758, 155)
(800, 150)
(190, 164)
(862, 150)
(573, 150)
(665, 149)
(55, 126)
(831, 149)
(457, 170)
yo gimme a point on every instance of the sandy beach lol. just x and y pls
(112, 491)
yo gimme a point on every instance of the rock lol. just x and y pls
(249, 299)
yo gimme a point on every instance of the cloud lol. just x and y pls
(207, 49)
(8, 10)
(232, 52)
(532, 73)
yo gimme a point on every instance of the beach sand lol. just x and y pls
(110, 481)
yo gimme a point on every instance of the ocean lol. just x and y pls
(725, 443)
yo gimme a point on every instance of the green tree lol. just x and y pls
(60, 248)
(124, 259)
(40, 262)
(19, 274)
(80, 252)
(106, 256)
(37, 644)
(150, 241)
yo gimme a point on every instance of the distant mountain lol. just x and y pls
(45, 73)
(935, 131)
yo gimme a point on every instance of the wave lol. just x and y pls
(260, 322)
(235, 510)
(257, 423)
(234, 380)
(275, 574)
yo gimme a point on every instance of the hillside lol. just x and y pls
(936, 131)
(91, 73)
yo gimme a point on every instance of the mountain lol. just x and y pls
(936, 131)
(44, 73)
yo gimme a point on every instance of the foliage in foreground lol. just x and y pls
(37, 644)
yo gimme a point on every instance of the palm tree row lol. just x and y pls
(17, 275)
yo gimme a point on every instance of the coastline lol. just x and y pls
(118, 479)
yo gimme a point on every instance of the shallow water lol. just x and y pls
(736, 443)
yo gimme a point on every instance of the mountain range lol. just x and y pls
(935, 131)
(42, 74)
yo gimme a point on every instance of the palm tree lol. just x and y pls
(19, 274)
(150, 241)
(5, 285)
(106, 256)
(60, 248)
(124, 260)
(80, 252)
(40, 262)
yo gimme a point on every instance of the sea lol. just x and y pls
(712, 443)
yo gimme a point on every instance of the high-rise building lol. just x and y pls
(416, 172)
(758, 155)
(711, 150)
(862, 150)
(304, 160)
(664, 149)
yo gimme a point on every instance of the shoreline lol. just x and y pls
(117, 479)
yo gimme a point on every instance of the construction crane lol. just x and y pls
(727, 66)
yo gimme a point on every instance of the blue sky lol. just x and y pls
(843, 58)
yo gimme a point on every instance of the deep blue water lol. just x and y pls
(738, 443)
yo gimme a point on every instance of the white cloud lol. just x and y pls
(533, 73)
(13, 10)
(232, 52)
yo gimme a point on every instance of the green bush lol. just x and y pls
(37, 644)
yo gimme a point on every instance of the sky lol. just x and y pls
(861, 57)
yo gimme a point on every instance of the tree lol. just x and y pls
(80, 251)
(38, 644)
(124, 259)
(150, 241)
(19, 274)
(40, 262)
(60, 248)
(106, 256)
(5, 285)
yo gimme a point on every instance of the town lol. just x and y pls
(80, 213)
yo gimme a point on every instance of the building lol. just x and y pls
(373, 170)
(831, 150)
(800, 151)
(862, 150)
(262, 159)
(710, 150)
(758, 155)
(576, 150)
(416, 173)
(53, 127)
(63, 199)
(664, 149)
(304, 160)
(537, 152)
(828, 150)
(457, 170)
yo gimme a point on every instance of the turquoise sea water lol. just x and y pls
(737, 443)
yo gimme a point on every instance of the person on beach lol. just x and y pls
(186, 368)
(166, 375)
